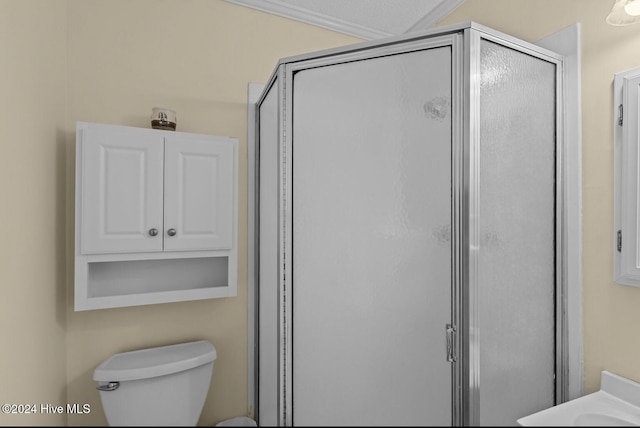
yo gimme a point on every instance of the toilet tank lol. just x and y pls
(159, 386)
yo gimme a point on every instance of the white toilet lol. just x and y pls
(156, 386)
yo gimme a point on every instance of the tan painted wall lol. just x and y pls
(611, 313)
(32, 212)
(195, 57)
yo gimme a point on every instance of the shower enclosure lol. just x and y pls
(409, 263)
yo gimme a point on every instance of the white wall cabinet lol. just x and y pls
(627, 178)
(156, 216)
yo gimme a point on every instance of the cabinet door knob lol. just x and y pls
(153, 231)
(171, 232)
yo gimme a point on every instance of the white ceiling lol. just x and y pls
(367, 19)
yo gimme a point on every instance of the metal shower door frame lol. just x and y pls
(465, 40)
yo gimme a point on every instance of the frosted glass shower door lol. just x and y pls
(515, 283)
(371, 241)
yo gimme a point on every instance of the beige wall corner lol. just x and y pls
(32, 263)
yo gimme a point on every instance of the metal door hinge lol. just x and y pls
(451, 332)
(619, 241)
(620, 114)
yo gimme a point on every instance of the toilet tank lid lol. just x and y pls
(152, 362)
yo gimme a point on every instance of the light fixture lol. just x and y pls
(624, 12)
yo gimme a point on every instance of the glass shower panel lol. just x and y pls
(268, 263)
(516, 258)
(372, 241)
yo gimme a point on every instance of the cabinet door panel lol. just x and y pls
(198, 193)
(121, 190)
(626, 255)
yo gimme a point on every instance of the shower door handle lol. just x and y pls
(451, 332)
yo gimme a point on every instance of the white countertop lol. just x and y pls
(616, 404)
